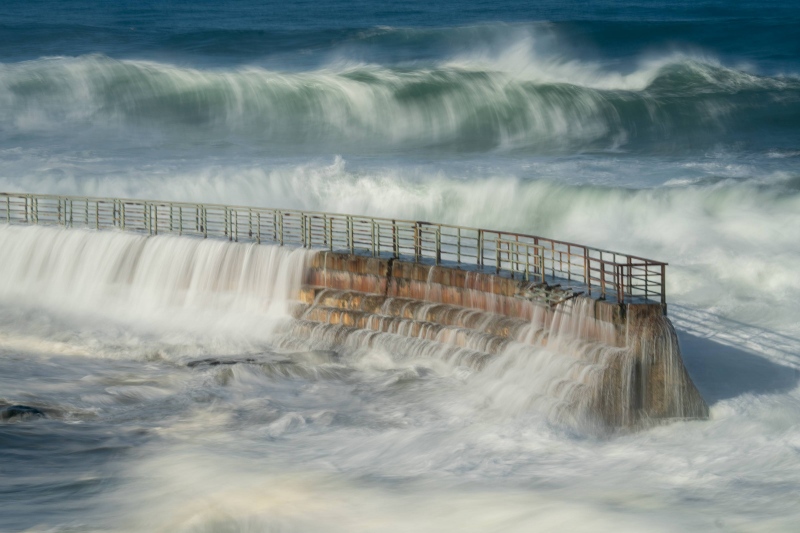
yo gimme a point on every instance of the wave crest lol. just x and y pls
(550, 107)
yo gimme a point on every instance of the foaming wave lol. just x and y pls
(446, 468)
(218, 494)
(514, 101)
(729, 241)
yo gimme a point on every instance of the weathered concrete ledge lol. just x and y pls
(634, 345)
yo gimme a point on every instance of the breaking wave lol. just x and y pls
(509, 101)
(727, 234)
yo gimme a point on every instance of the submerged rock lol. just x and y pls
(20, 412)
(218, 362)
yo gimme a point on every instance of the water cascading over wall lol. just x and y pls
(585, 360)
(618, 365)
(133, 277)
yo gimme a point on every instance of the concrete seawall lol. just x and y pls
(636, 375)
(603, 350)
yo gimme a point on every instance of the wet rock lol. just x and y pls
(218, 362)
(20, 412)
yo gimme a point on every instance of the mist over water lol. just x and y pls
(670, 131)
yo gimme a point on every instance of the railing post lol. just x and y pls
(378, 232)
(664, 287)
(395, 243)
(417, 241)
(602, 277)
(527, 263)
(280, 220)
(569, 262)
(479, 251)
(497, 256)
(514, 257)
(350, 233)
(587, 271)
(154, 207)
(630, 278)
(372, 228)
(541, 262)
(510, 247)
(180, 220)
(458, 247)
(329, 222)
(236, 225)
(438, 245)
(258, 227)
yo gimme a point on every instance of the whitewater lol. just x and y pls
(172, 385)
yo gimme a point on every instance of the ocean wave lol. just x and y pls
(729, 238)
(464, 105)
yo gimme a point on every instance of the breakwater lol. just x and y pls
(591, 322)
(623, 363)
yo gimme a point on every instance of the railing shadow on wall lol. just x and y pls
(601, 273)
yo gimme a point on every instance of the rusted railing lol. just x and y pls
(602, 273)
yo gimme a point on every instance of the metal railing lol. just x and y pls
(602, 273)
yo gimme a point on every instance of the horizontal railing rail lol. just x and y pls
(602, 273)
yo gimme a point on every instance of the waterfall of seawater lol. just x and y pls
(570, 363)
(163, 279)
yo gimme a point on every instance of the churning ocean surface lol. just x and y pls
(668, 130)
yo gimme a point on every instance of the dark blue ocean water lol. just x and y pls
(665, 129)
